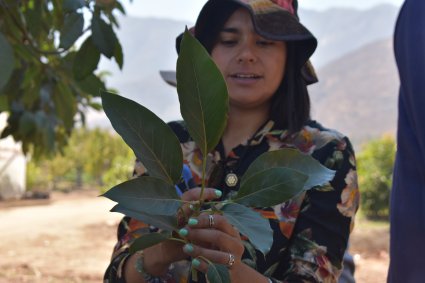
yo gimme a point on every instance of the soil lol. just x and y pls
(69, 237)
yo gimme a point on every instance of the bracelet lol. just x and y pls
(146, 276)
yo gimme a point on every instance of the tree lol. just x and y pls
(90, 158)
(46, 82)
(103, 151)
(375, 168)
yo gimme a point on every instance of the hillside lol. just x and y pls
(343, 30)
(357, 93)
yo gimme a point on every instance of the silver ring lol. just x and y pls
(211, 220)
(231, 261)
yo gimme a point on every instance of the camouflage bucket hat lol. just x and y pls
(272, 19)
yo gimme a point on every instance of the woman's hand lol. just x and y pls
(158, 258)
(212, 238)
(191, 196)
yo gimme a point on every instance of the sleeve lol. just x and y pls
(409, 44)
(125, 235)
(321, 231)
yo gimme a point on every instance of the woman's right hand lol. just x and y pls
(158, 258)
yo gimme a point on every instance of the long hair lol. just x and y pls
(290, 105)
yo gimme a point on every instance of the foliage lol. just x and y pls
(91, 158)
(375, 168)
(203, 97)
(120, 170)
(46, 81)
(36, 177)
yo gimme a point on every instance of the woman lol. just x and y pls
(261, 49)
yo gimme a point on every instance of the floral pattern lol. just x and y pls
(311, 230)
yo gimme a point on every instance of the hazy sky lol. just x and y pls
(187, 10)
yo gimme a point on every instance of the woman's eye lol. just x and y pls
(265, 42)
(228, 42)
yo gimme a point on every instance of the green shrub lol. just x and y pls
(92, 158)
(375, 169)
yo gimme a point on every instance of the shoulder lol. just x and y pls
(315, 137)
(328, 146)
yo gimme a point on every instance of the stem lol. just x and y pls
(204, 165)
(178, 240)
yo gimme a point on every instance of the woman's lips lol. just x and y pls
(245, 78)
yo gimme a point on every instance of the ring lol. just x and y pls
(231, 261)
(211, 220)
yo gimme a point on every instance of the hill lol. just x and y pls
(343, 30)
(358, 92)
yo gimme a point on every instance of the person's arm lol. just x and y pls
(409, 46)
(320, 235)
(156, 262)
(115, 272)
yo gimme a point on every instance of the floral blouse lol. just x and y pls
(310, 231)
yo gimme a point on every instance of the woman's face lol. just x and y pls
(252, 66)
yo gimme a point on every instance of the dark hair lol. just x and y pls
(290, 105)
(208, 33)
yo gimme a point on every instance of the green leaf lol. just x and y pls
(86, 60)
(4, 104)
(65, 104)
(168, 223)
(7, 61)
(120, 7)
(103, 36)
(202, 94)
(95, 106)
(218, 273)
(118, 55)
(72, 5)
(251, 224)
(317, 173)
(27, 124)
(148, 240)
(32, 17)
(72, 30)
(153, 142)
(146, 194)
(92, 85)
(270, 187)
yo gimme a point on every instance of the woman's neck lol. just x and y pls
(242, 124)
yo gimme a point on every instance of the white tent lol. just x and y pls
(12, 166)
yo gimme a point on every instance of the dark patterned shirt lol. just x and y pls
(310, 231)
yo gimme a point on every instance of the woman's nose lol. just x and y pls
(247, 54)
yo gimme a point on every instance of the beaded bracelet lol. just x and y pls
(146, 276)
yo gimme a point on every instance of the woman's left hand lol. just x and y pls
(212, 237)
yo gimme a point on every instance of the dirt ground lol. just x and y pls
(68, 239)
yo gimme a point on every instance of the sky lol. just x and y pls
(187, 10)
